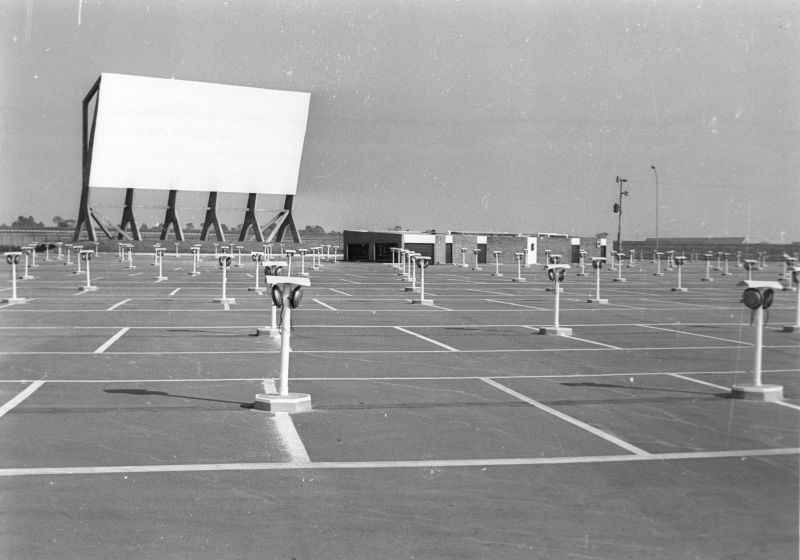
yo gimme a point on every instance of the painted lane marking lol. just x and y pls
(565, 417)
(323, 304)
(696, 334)
(432, 341)
(173, 292)
(103, 347)
(611, 346)
(21, 396)
(158, 280)
(290, 438)
(517, 304)
(728, 389)
(340, 292)
(135, 274)
(287, 431)
(414, 464)
(350, 281)
(441, 307)
(118, 304)
(492, 292)
(701, 382)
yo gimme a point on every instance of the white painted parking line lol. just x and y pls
(440, 306)
(516, 304)
(21, 396)
(436, 342)
(574, 421)
(700, 381)
(286, 430)
(742, 342)
(103, 347)
(290, 438)
(158, 281)
(349, 281)
(492, 292)
(173, 292)
(323, 304)
(118, 304)
(135, 274)
(728, 389)
(413, 464)
(340, 292)
(611, 346)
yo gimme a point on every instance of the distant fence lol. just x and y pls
(15, 238)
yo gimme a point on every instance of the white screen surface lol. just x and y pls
(154, 133)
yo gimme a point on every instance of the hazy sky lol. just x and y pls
(481, 115)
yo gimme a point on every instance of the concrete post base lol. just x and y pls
(26, 277)
(426, 301)
(411, 289)
(706, 279)
(259, 291)
(293, 402)
(464, 265)
(791, 328)
(193, 273)
(727, 274)
(618, 279)
(658, 274)
(550, 289)
(14, 300)
(769, 393)
(680, 289)
(581, 274)
(88, 288)
(269, 331)
(601, 300)
(557, 331)
(497, 274)
(304, 274)
(476, 269)
(160, 278)
(519, 279)
(228, 300)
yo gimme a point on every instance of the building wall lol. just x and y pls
(469, 242)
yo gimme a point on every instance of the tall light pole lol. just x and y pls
(655, 172)
(618, 210)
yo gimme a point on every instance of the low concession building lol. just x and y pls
(447, 248)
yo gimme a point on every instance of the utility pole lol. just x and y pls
(618, 210)
(655, 172)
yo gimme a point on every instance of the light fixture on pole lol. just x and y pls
(618, 210)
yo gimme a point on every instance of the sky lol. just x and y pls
(463, 115)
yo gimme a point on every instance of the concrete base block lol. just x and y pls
(464, 265)
(581, 274)
(194, 273)
(706, 279)
(293, 402)
(259, 291)
(726, 274)
(476, 269)
(411, 289)
(557, 331)
(497, 274)
(88, 288)
(658, 274)
(14, 300)
(78, 272)
(268, 331)
(227, 300)
(680, 289)
(791, 328)
(594, 300)
(769, 393)
(618, 279)
(304, 274)
(26, 277)
(519, 279)
(160, 278)
(426, 301)
(549, 289)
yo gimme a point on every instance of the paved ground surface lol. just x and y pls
(452, 431)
